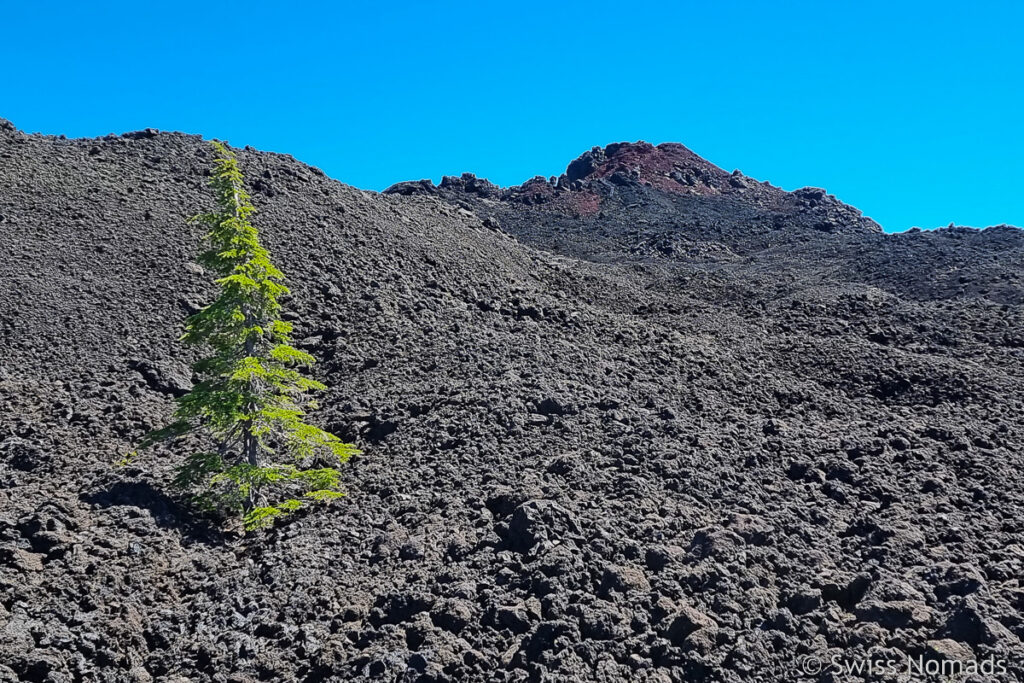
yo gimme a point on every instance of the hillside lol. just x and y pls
(649, 421)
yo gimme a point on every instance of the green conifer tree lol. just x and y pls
(250, 399)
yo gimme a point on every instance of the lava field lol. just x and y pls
(649, 421)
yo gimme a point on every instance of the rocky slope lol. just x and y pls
(649, 421)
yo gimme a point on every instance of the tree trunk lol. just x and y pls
(251, 457)
(249, 444)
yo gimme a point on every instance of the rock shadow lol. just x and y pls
(167, 512)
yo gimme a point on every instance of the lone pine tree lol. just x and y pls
(250, 399)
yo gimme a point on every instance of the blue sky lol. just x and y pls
(911, 111)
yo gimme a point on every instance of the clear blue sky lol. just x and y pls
(911, 111)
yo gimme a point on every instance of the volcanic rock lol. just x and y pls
(650, 420)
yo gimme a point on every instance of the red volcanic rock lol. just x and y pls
(536, 190)
(668, 166)
(624, 174)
